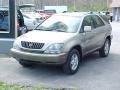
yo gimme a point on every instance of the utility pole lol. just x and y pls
(13, 18)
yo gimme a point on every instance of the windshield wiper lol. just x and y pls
(44, 29)
(59, 30)
(39, 29)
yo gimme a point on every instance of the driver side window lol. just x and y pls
(87, 22)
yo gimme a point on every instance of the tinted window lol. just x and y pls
(98, 21)
(88, 21)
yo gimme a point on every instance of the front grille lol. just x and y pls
(32, 45)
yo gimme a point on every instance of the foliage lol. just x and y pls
(89, 6)
(5, 86)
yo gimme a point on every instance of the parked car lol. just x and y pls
(4, 23)
(64, 39)
(30, 21)
(31, 18)
(46, 13)
(49, 13)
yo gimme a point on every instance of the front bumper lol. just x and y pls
(42, 58)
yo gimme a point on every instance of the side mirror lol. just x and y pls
(87, 28)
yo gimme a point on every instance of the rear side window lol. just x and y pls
(98, 21)
(105, 19)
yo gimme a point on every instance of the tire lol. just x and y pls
(104, 51)
(72, 63)
(25, 63)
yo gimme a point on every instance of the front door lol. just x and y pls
(89, 37)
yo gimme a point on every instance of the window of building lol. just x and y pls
(4, 16)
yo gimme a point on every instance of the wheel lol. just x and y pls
(104, 51)
(25, 63)
(72, 63)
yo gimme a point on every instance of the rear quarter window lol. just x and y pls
(98, 21)
(105, 19)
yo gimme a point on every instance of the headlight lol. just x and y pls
(16, 44)
(54, 49)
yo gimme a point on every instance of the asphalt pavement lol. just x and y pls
(95, 73)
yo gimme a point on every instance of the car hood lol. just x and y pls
(46, 36)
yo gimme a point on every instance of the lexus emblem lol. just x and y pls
(30, 45)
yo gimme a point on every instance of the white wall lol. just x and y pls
(59, 9)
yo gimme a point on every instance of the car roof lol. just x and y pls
(76, 14)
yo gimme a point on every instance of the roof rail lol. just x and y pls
(94, 12)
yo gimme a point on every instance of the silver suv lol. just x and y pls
(64, 39)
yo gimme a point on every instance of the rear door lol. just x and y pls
(99, 30)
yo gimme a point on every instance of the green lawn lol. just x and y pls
(4, 86)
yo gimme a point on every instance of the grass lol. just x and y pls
(5, 86)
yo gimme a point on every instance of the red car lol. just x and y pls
(46, 13)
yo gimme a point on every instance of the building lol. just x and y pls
(116, 9)
(9, 32)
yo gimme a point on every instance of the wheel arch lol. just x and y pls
(109, 38)
(79, 48)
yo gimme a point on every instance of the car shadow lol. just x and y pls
(42, 69)
(93, 66)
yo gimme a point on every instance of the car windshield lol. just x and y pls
(28, 9)
(58, 23)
